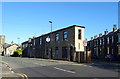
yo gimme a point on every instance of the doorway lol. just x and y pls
(71, 53)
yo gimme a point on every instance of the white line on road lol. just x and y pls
(40, 64)
(64, 70)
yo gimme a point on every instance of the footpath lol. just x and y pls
(8, 73)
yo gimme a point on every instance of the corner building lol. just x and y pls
(62, 44)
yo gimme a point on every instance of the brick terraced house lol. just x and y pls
(109, 43)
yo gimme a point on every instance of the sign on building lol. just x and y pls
(85, 42)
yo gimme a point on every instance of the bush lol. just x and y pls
(17, 53)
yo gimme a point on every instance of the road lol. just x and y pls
(43, 68)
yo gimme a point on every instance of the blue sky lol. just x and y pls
(28, 19)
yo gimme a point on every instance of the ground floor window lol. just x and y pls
(47, 50)
(56, 51)
(119, 50)
(64, 52)
(107, 50)
(112, 51)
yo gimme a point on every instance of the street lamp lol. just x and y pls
(18, 40)
(51, 26)
(51, 39)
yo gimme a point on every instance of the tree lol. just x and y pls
(18, 52)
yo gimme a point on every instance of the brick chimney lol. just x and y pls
(95, 36)
(106, 32)
(100, 35)
(114, 28)
(29, 40)
(91, 38)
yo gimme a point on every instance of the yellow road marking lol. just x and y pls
(25, 76)
(4, 62)
(21, 75)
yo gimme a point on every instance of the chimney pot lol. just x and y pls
(100, 35)
(91, 38)
(114, 28)
(106, 32)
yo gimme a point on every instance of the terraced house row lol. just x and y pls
(108, 43)
(65, 44)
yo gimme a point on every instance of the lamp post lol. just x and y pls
(51, 40)
(51, 26)
(18, 40)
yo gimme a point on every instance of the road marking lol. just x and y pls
(35, 63)
(4, 62)
(12, 72)
(40, 64)
(64, 70)
(25, 76)
(90, 66)
(21, 75)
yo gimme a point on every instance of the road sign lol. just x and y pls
(48, 39)
(85, 42)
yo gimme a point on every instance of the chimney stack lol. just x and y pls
(106, 32)
(100, 35)
(114, 28)
(91, 38)
(95, 36)
(30, 39)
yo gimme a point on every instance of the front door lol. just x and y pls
(51, 54)
(71, 53)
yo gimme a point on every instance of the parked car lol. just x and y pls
(110, 57)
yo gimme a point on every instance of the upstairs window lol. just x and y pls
(97, 42)
(103, 41)
(57, 37)
(79, 34)
(94, 42)
(112, 39)
(34, 42)
(118, 38)
(40, 41)
(107, 40)
(100, 41)
(65, 35)
(26, 45)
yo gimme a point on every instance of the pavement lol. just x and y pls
(8, 73)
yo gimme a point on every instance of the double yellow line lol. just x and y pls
(18, 74)
(24, 76)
